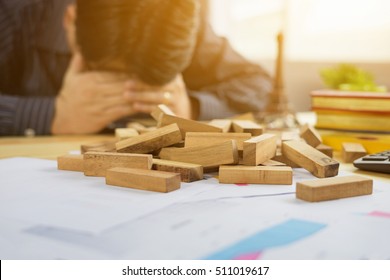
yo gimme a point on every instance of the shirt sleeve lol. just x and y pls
(223, 82)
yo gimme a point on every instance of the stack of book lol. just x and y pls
(352, 111)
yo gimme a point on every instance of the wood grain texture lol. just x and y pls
(352, 151)
(104, 146)
(194, 139)
(96, 163)
(259, 149)
(149, 180)
(333, 188)
(239, 174)
(151, 141)
(189, 172)
(247, 126)
(327, 150)
(71, 163)
(310, 135)
(319, 164)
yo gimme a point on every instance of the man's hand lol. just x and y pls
(89, 101)
(145, 98)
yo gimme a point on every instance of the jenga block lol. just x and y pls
(124, 133)
(105, 146)
(240, 174)
(246, 116)
(271, 162)
(186, 125)
(319, 164)
(259, 149)
(283, 159)
(352, 151)
(71, 163)
(189, 172)
(247, 126)
(310, 135)
(96, 164)
(223, 124)
(208, 156)
(151, 141)
(149, 180)
(209, 138)
(333, 188)
(136, 125)
(325, 150)
(161, 109)
(290, 135)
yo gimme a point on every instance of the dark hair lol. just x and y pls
(155, 38)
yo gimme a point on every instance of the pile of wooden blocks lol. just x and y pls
(180, 150)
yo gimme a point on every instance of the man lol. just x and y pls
(50, 86)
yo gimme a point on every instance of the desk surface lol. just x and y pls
(68, 215)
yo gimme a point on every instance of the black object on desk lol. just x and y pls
(379, 162)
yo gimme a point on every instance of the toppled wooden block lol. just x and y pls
(240, 174)
(259, 149)
(333, 188)
(310, 135)
(124, 133)
(189, 172)
(105, 146)
(151, 141)
(210, 138)
(327, 150)
(149, 180)
(161, 109)
(208, 156)
(186, 125)
(223, 124)
(283, 159)
(271, 162)
(319, 164)
(96, 163)
(352, 151)
(71, 163)
(247, 126)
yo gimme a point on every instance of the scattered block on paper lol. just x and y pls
(259, 149)
(71, 163)
(208, 156)
(352, 151)
(186, 125)
(124, 133)
(96, 163)
(319, 164)
(161, 109)
(333, 188)
(223, 124)
(151, 141)
(310, 135)
(239, 174)
(149, 180)
(283, 159)
(189, 172)
(327, 150)
(209, 138)
(105, 146)
(247, 126)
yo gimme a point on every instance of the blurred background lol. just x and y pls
(318, 34)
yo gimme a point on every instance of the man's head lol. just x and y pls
(151, 39)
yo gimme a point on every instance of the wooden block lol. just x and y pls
(96, 164)
(279, 157)
(352, 151)
(71, 163)
(209, 138)
(310, 135)
(189, 172)
(124, 133)
(209, 156)
(259, 149)
(271, 162)
(151, 141)
(319, 164)
(161, 109)
(105, 146)
(225, 125)
(333, 188)
(136, 125)
(240, 174)
(247, 126)
(290, 135)
(186, 125)
(327, 150)
(149, 180)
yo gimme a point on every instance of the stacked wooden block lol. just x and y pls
(178, 149)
